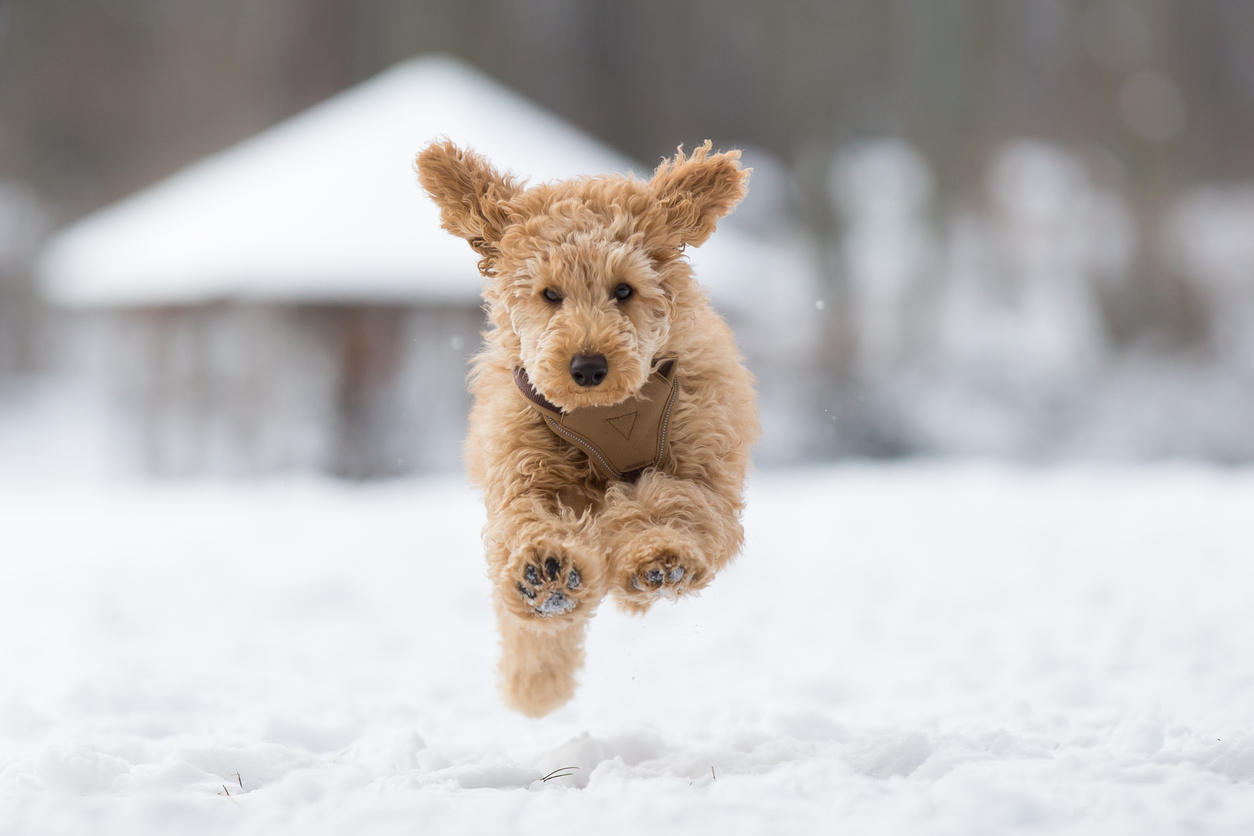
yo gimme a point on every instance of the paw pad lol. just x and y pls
(552, 583)
(556, 604)
(662, 575)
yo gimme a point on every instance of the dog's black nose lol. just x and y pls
(589, 370)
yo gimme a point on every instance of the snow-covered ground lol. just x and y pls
(947, 649)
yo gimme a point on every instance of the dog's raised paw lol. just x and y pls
(664, 574)
(548, 583)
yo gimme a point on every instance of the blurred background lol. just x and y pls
(997, 229)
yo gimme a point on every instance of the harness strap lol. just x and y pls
(622, 440)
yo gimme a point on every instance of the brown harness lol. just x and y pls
(621, 440)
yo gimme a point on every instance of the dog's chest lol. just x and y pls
(623, 440)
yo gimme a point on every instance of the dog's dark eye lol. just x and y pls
(623, 291)
(552, 295)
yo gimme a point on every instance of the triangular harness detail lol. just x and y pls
(621, 440)
(623, 424)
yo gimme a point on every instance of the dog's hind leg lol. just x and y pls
(537, 670)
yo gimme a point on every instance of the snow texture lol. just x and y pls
(920, 649)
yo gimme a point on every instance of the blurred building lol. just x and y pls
(23, 222)
(1004, 229)
(293, 303)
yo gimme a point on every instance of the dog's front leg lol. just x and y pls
(548, 579)
(665, 537)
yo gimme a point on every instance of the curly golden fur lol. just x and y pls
(559, 537)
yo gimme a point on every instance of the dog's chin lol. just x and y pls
(568, 395)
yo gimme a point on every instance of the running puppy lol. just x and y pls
(612, 414)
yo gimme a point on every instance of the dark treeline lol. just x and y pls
(99, 98)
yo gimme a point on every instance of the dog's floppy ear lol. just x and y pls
(696, 191)
(473, 196)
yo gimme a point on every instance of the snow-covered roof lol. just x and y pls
(325, 207)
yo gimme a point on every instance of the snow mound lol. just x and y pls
(917, 649)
